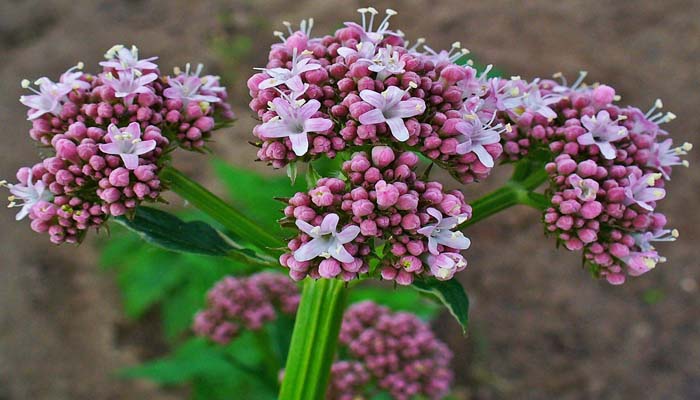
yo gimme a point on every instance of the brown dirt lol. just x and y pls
(541, 328)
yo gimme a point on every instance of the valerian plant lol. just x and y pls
(387, 110)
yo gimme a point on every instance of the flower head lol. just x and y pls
(71, 78)
(367, 30)
(28, 194)
(641, 190)
(444, 265)
(127, 144)
(188, 90)
(294, 120)
(476, 134)
(441, 233)
(47, 100)
(386, 62)
(601, 132)
(129, 83)
(326, 241)
(391, 109)
(662, 156)
(121, 58)
(289, 77)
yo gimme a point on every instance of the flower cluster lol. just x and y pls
(393, 351)
(365, 85)
(106, 137)
(379, 350)
(607, 173)
(381, 203)
(248, 303)
(128, 90)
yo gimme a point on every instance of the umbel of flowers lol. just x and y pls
(380, 202)
(607, 173)
(237, 304)
(379, 349)
(365, 85)
(106, 137)
(395, 351)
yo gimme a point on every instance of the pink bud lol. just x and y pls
(382, 156)
(110, 195)
(410, 222)
(329, 268)
(603, 95)
(362, 208)
(119, 177)
(591, 209)
(387, 194)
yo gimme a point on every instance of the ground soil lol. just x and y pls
(541, 328)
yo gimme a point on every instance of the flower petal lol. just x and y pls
(409, 108)
(348, 234)
(398, 129)
(131, 161)
(483, 155)
(373, 98)
(372, 117)
(310, 250)
(329, 223)
(309, 108)
(143, 147)
(317, 125)
(300, 143)
(341, 254)
(274, 129)
(305, 227)
(110, 148)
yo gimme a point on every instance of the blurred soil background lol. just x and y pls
(541, 328)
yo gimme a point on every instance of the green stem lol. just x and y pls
(219, 210)
(518, 190)
(314, 340)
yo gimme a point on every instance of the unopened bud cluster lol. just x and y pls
(235, 304)
(381, 202)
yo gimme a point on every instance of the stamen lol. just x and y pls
(25, 83)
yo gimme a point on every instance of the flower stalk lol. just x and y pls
(314, 340)
(219, 210)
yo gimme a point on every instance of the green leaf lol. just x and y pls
(194, 358)
(292, 172)
(255, 194)
(143, 283)
(170, 232)
(451, 294)
(311, 177)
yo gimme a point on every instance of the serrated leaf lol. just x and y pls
(170, 232)
(451, 294)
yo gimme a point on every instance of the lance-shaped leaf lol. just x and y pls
(170, 232)
(451, 294)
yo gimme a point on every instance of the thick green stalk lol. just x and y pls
(219, 210)
(314, 340)
(518, 190)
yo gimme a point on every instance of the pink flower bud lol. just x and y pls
(110, 195)
(119, 177)
(387, 194)
(329, 268)
(382, 156)
(362, 208)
